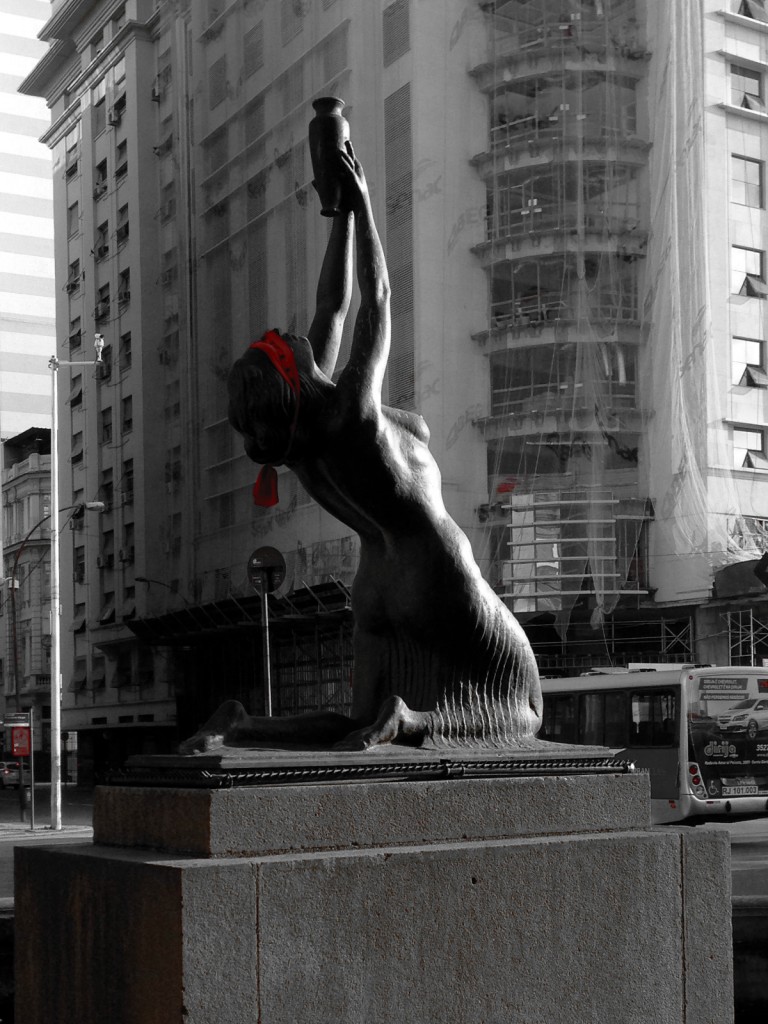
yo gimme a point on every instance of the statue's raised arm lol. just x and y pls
(438, 657)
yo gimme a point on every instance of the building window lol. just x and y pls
(334, 55)
(73, 219)
(168, 204)
(73, 276)
(121, 159)
(173, 400)
(215, 10)
(72, 150)
(253, 49)
(751, 9)
(103, 369)
(106, 425)
(97, 44)
(117, 110)
(101, 312)
(77, 448)
(100, 185)
(749, 448)
(121, 235)
(127, 482)
(748, 363)
(118, 72)
(124, 287)
(107, 492)
(123, 674)
(169, 271)
(107, 613)
(396, 31)
(125, 350)
(128, 549)
(101, 248)
(75, 333)
(747, 181)
(217, 151)
(747, 88)
(127, 414)
(76, 394)
(291, 19)
(99, 100)
(748, 272)
(217, 82)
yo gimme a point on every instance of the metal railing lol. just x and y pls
(560, 397)
(549, 306)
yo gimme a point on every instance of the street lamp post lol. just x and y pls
(54, 363)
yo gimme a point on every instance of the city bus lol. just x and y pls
(701, 732)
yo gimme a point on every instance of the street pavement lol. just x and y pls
(77, 817)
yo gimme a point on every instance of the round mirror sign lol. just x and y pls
(266, 569)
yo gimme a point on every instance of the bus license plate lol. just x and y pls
(739, 790)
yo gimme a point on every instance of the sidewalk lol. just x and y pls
(21, 830)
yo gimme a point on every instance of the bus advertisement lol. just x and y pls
(728, 727)
(700, 732)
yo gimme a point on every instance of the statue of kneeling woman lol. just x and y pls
(438, 657)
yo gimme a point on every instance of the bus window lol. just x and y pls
(602, 719)
(559, 722)
(653, 718)
(615, 720)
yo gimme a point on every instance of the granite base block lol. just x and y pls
(607, 920)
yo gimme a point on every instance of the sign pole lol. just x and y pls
(21, 727)
(32, 772)
(265, 646)
(266, 572)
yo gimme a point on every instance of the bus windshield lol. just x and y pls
(728, 733)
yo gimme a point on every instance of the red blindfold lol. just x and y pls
(280, 354)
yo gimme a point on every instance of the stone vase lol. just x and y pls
(328, 132)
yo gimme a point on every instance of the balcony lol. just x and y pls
(560, 235)
(579, 41)
(565, 398)
(39, 682)
(548, 307)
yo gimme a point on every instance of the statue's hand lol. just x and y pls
(353, 183)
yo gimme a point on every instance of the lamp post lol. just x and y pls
(162, 583)
(54, 363)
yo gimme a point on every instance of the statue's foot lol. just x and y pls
(395, 722)
(202, 743)
(220, 729)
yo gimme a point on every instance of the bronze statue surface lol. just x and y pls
(438, 657)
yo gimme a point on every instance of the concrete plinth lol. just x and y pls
(470, 901)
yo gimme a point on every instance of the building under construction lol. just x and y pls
(626, 310)
(572, 199)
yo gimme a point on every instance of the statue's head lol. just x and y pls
(265, 391)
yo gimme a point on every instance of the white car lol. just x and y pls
(748, 716)
(9, 774)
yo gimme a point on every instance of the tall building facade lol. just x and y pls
(27, 306)
(572, 200)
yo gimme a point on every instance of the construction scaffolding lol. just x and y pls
(565, 243)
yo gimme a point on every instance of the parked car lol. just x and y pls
(748, 716)
(9, 774)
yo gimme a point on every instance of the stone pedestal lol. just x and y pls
(472, 899)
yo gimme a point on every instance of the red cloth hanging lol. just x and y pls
(280, 354)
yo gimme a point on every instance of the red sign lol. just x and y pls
(20, 745)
